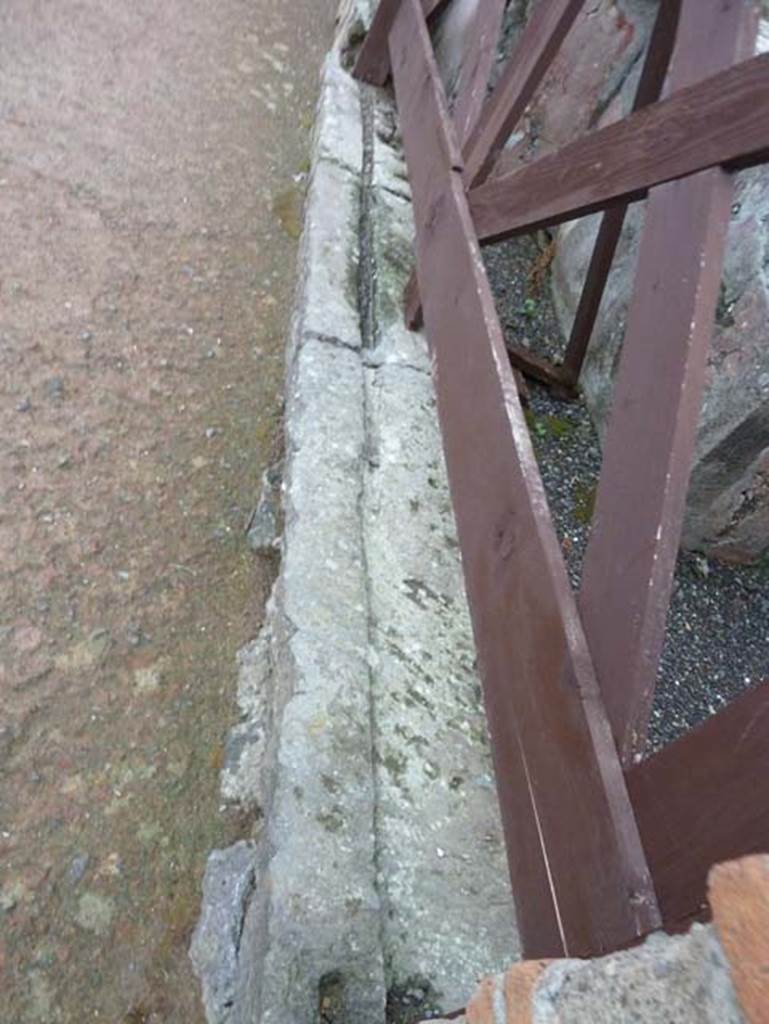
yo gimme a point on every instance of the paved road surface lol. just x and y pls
(150, 164)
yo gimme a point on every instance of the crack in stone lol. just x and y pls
(243, 909)
(397, 365)
(367, 277)
(367, 297)
(331, 339)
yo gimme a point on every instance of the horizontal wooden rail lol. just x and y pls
(722, 121)
(704, 799)
(580, 880)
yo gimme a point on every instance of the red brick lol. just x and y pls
(480, 1009)
(520, 982)
(739, 896)
(517, 986)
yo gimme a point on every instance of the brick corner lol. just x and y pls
(739, 896)
(507, 998)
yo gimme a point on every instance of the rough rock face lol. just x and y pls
(227, 887)
(592, 83)
(455, 29)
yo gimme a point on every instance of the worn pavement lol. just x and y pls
(152, 159)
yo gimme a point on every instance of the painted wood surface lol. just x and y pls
(579, 876)
(703, 800)
(526, 66)
(652, 429)
(723, 120)
(373, 63)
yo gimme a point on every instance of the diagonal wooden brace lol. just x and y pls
(476, 67)
(579, 875)
(702, 800)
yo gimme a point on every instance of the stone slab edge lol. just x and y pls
(290, 929)
(714, 974)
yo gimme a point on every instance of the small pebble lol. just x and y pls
(77, 867)
(55, 389)
(701, 567)
(137, 636)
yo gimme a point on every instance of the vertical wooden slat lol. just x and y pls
(652, 428)
(540, 41)
(525, 68)
(580, 880)
(373, 63)
(649, 90)
(476, 68)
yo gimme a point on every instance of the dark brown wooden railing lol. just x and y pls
(602, 850)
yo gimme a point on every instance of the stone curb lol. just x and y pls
(305, 893)
(377, 888)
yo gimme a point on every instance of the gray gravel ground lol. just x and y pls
(717, 641)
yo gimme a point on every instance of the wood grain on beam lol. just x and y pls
(579, 876)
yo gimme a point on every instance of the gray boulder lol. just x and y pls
(592, 83)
